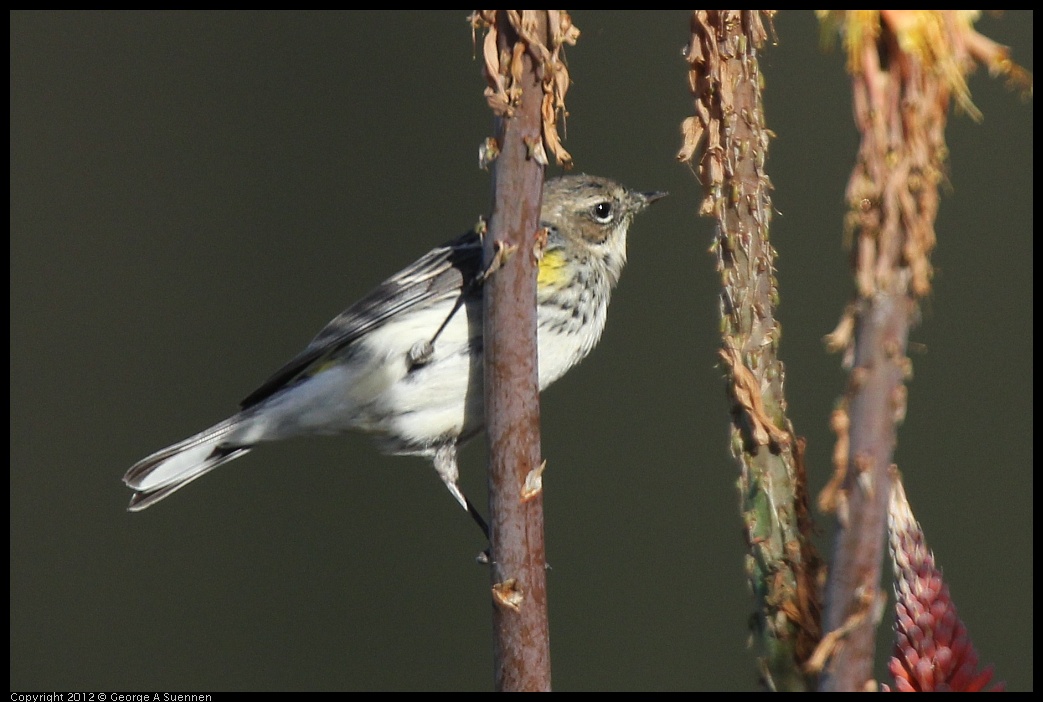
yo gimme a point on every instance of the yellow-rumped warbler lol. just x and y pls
(405, 362)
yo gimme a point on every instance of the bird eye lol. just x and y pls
(603, 212)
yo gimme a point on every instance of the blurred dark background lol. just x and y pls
(193, 195)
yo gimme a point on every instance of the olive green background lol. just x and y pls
(194, 195)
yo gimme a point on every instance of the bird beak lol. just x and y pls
(646, 199)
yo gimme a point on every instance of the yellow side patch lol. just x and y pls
(320, 365)
(552, 269)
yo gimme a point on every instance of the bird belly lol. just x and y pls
(424, 400)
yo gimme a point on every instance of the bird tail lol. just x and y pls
(157, 476)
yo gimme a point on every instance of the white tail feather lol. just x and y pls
(166, 471)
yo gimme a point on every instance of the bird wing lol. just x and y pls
(444, 272)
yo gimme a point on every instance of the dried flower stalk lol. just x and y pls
(503, 68)
(782, 565)
(907, 66)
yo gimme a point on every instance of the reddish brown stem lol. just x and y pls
(522, 649)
